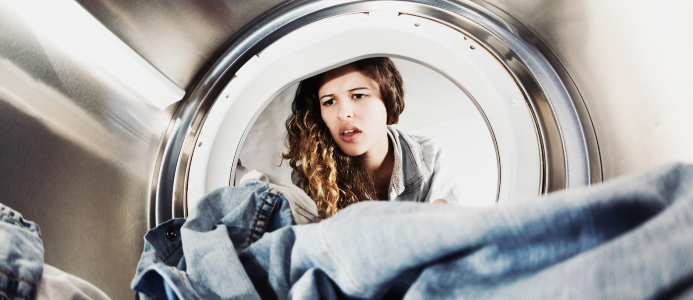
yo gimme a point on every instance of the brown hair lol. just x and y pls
(316, 158)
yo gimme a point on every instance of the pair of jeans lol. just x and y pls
(630, 238)
(21, 256)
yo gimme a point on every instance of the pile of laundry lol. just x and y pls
(629, 238)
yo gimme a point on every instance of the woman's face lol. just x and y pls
(353, 109)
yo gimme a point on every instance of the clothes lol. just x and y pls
(303, 209)
(630, 238)
(421, 172)
(21, 256)
(23, 275)
(56, 284)
(196, 258)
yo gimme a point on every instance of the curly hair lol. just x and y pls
(331, 178)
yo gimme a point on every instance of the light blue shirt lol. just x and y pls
(421, 172)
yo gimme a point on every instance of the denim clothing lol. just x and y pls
(21, 256)
(23, 275)
(196, 258)
(421, 172)
(630, 238)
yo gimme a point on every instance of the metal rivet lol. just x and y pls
(465, 38)
(199, 144)
(417, 24)
(472, 47)
(171, 235)
(228, 95)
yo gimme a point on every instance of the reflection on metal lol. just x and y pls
(177, 37)
(69, 24)
(558, 124)
(77, 150)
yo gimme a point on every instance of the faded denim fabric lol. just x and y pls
(197, 258)
(21, 256)
(23, 275)
(630, 238)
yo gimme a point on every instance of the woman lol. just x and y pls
(342, 150)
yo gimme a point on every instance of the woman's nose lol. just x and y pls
(346, 111)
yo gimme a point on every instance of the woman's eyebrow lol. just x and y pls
(358, 88)
(351, 90)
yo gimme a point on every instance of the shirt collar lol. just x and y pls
(397, 179)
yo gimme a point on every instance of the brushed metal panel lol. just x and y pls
(632, 65)
(77, 154)
(177, 37)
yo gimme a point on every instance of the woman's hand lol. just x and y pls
(440, 201)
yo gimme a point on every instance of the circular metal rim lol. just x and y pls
(564, 146)
(567, 80)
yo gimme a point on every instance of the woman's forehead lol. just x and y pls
(343, 79)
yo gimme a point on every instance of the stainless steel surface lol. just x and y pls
(177, 37)
(632, 66)
(558, 123)
(76, 155)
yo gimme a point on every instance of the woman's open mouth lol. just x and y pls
(349, 134)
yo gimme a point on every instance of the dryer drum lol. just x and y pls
(566, 149)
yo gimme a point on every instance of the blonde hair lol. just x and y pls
(331, 178)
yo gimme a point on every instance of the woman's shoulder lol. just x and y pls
(411, 138)
(414, 140)
(424, 150)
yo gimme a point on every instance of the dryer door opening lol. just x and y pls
(535, 130)
(435, 108)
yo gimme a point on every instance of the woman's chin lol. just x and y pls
(354, 154)
(352, 151)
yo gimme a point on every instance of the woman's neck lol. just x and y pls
(381, 163)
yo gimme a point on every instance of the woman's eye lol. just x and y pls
(328, 102)
(359, 96)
